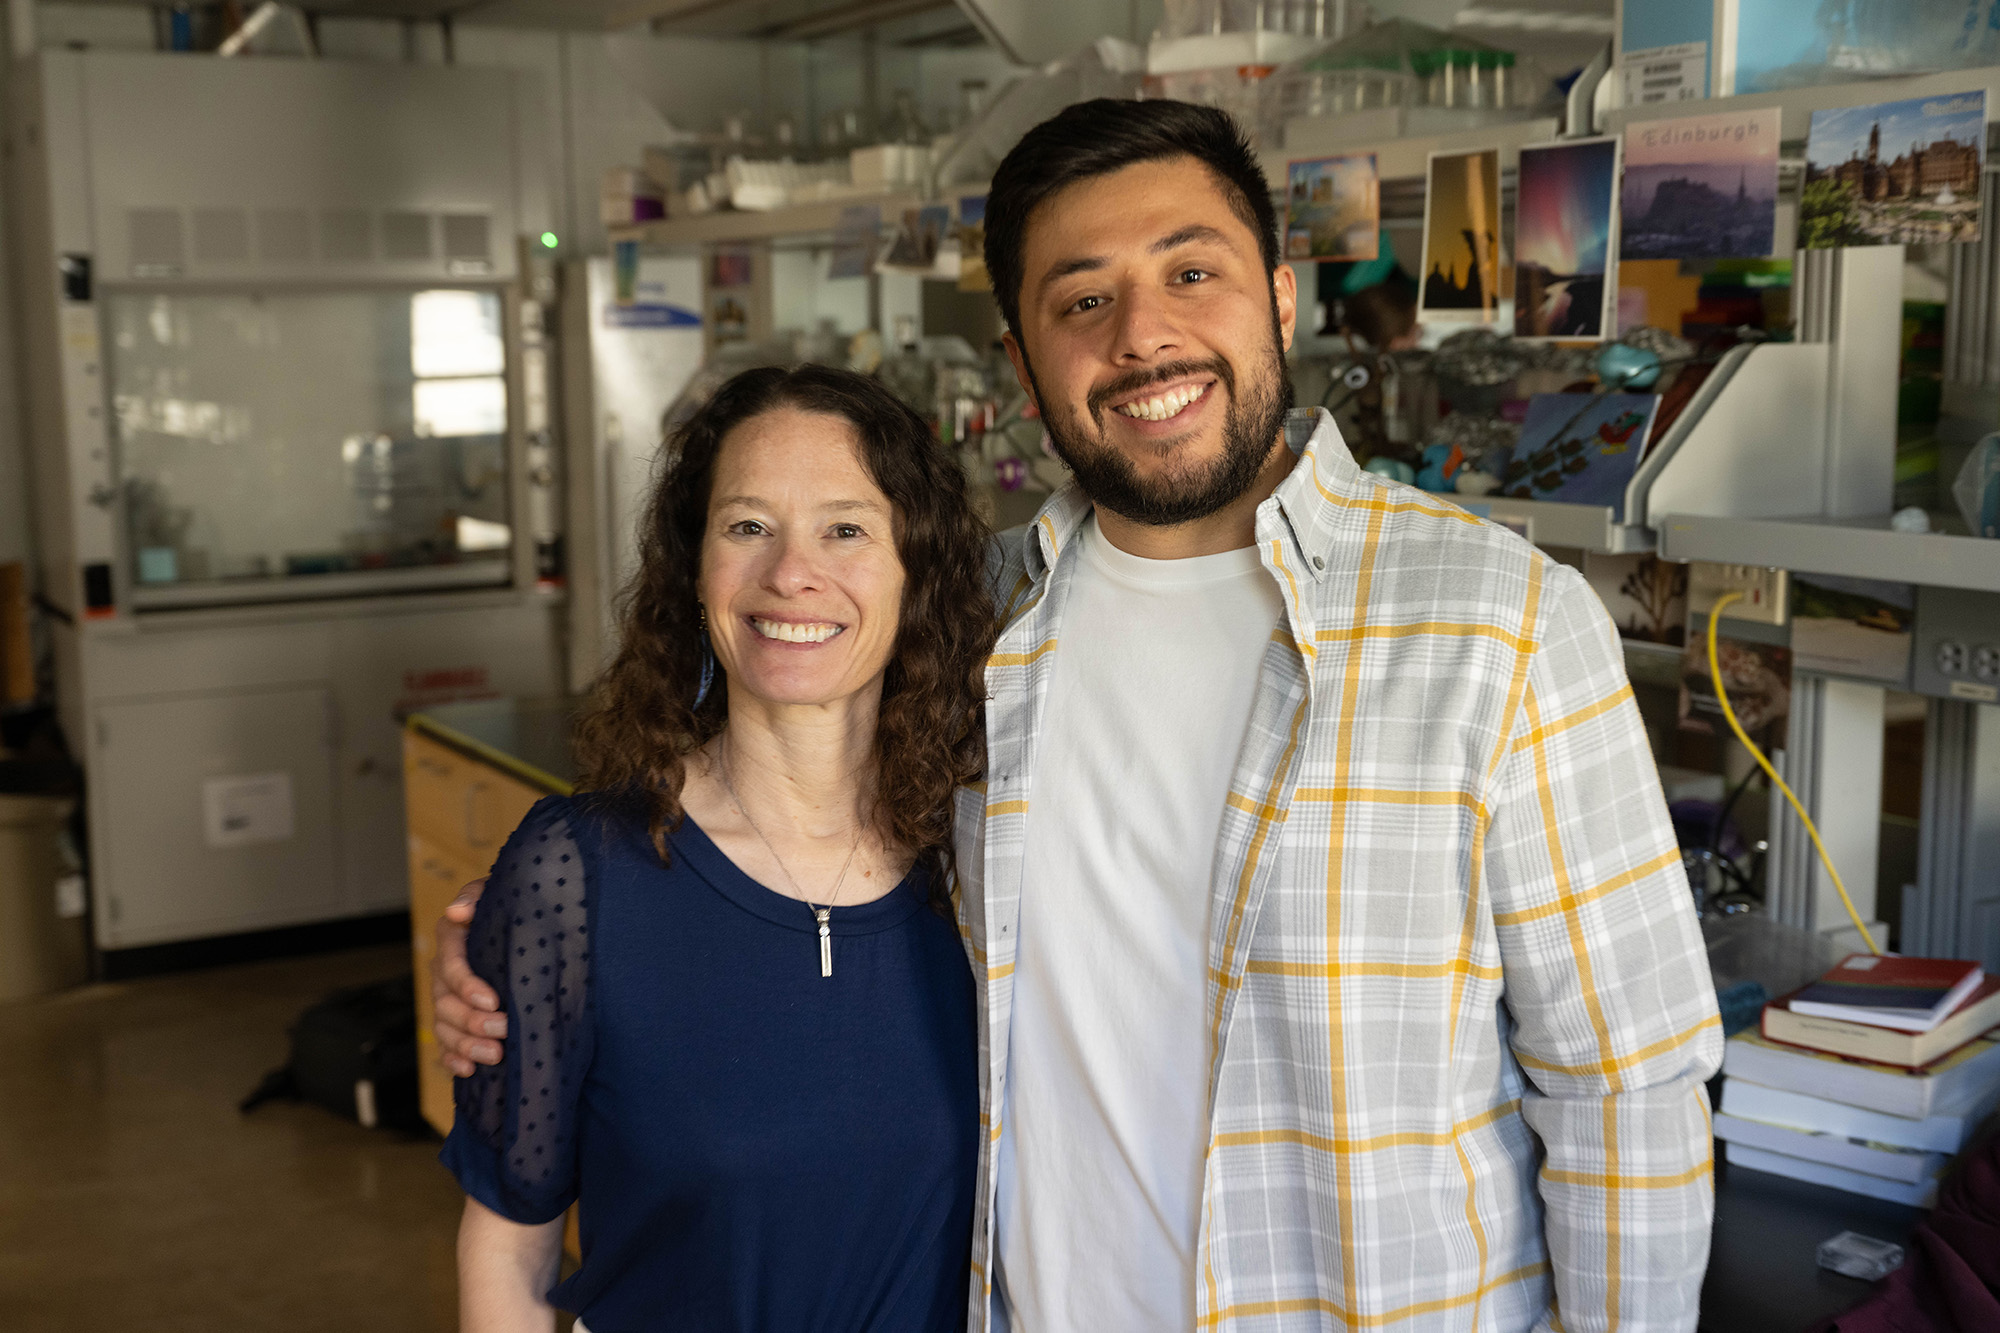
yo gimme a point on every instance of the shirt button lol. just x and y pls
(1318, 563)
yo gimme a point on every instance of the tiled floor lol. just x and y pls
(135, 1199)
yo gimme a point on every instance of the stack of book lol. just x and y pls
(1867, 1080)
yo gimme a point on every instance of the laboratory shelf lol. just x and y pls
(1558, 523)
(1863, 548)
(728, 226)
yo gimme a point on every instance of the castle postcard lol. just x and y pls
(1894, 173)
(1700, 187)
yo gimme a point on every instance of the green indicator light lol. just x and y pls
(549, 239)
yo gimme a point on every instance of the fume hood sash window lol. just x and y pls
(274, 446)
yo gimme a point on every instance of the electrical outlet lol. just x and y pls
(1764, 591)
(1954, 651)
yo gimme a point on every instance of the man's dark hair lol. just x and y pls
(1097, 138)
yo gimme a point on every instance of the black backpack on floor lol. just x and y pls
(355, 1053)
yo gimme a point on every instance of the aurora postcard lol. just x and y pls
(1565, 239)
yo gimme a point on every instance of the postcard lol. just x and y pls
(1333, 208)
(1703, 187)
(1565, 225)
(1646, 596)
(1461, 262)
(855, 238)
(726, 267)
(1758, 677)
(1852, 627)
(972, 274)
(1894, 173)
(1580, 448)
(915, 247)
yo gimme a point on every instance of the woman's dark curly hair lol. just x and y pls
(641, 723)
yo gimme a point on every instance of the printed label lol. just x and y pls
(245, 810)
(1676, 73)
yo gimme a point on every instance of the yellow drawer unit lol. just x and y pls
(470, 773)
(463, 797)
(463, 806)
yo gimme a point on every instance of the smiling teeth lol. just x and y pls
(786, 632)
(1166, 405)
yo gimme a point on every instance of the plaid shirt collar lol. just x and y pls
(1306, 506)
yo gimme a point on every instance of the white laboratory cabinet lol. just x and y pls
(289, 433)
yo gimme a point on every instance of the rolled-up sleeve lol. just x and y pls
(1607, 983)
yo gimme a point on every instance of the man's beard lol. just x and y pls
(1249, 430)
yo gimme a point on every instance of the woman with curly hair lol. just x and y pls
(740, 1021)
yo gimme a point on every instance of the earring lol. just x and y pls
(707, 662)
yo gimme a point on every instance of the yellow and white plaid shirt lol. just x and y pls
(1460, 1012)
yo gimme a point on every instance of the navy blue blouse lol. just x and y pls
(756, 1147)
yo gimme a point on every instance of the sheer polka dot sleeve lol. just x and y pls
(513, 1141)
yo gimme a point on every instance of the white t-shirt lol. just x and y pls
(1106, 1116)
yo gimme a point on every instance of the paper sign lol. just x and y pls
(1677, 73)
(651, 315)
(246, 810)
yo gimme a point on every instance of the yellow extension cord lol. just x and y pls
(1729, 715)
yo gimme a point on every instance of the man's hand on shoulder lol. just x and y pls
(468, 1025)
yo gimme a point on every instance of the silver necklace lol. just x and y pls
(824, 915)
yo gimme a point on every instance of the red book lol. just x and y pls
(1909, 993)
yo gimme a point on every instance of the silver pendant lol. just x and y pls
(825, 941)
